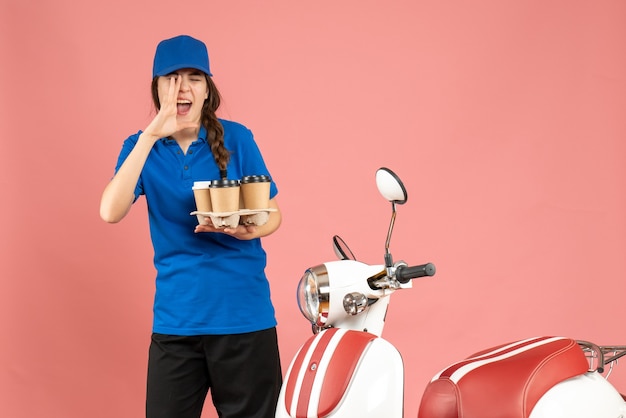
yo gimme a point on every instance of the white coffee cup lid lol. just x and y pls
(201, 185)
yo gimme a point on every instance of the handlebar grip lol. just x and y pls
(405, 273)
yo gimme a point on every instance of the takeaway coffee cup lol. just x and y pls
(202, 195)
(255, 192)
(224, 195)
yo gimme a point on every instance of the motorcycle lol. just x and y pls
(346, 369)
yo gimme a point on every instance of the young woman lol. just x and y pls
(214, 323)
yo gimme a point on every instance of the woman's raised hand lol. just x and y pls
(165, 123)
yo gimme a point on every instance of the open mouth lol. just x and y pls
(183, 106)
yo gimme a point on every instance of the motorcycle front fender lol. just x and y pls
(343, 373)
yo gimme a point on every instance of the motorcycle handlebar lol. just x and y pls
(405, 273)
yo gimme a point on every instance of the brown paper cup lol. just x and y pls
(202, 195)
(224, 195)
(255, 192)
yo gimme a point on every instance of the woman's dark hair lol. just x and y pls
(214, 129)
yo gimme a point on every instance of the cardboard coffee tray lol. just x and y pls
(256, 217)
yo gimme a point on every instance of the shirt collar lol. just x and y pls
(201, 136)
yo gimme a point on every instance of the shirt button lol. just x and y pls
(186, 167)
(190, 151)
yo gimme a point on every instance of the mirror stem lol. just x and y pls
(388, 258)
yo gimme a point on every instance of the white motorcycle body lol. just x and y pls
(347, 370)
(350, 371)
(586, 395)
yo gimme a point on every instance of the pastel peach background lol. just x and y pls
(506, 120)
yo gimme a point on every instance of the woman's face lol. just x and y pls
(191, 96)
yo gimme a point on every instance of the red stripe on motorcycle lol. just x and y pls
(290, 385)
(310, 373)
(340, 369)
(491, 353)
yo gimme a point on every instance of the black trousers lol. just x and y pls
(242, 372)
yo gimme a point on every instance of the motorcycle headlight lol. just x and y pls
(314, 296)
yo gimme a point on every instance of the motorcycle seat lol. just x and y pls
(504, 381)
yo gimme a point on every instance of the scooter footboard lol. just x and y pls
(341, 373)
